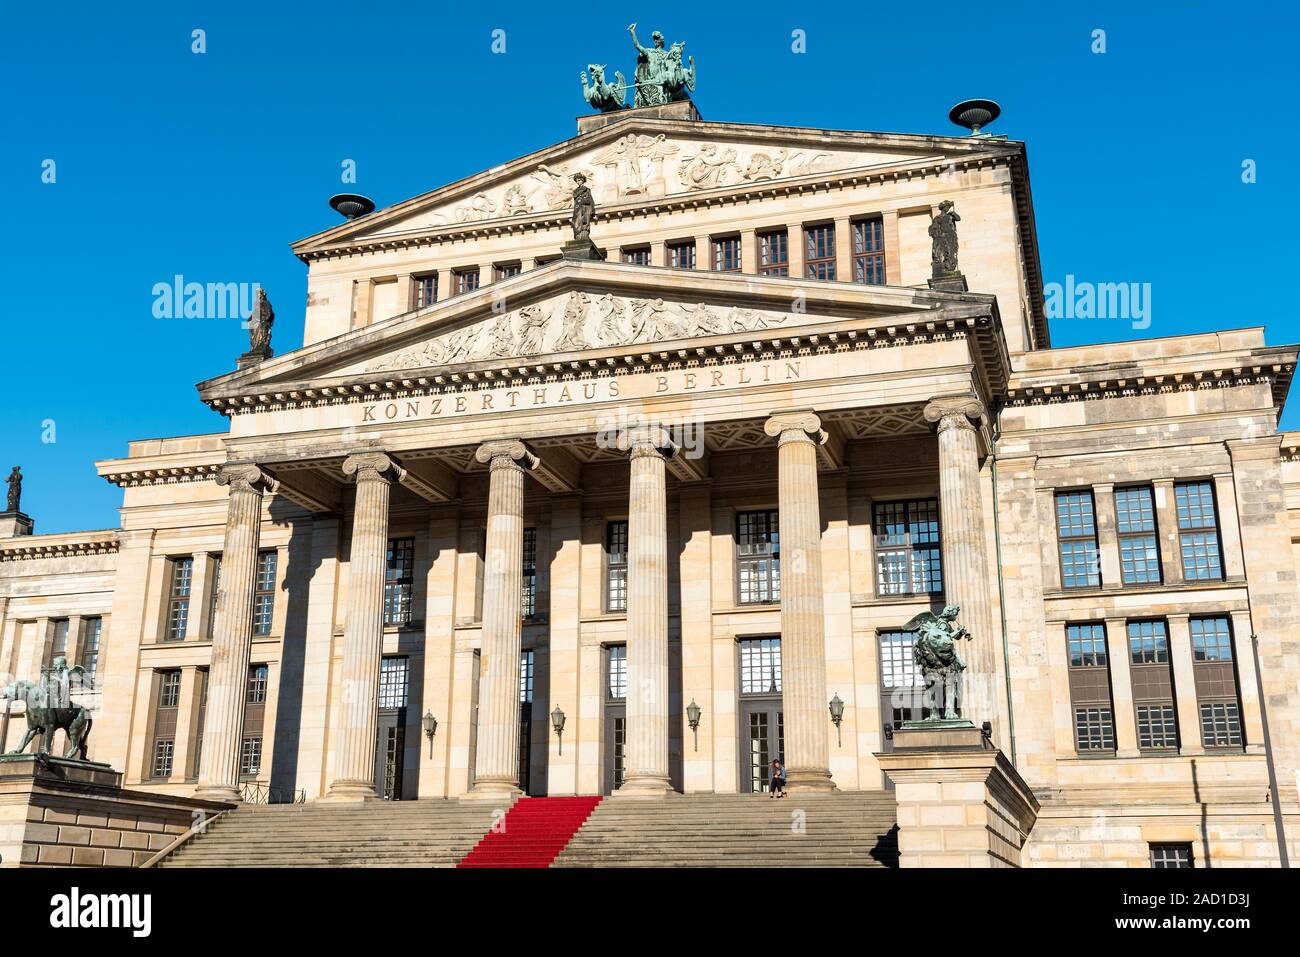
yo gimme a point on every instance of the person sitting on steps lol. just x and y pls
(777, 789)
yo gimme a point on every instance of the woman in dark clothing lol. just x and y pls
(777, 789)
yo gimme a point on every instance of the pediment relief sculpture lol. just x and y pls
(576, 322)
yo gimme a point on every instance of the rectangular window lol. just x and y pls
(250, 756)
(1076, 531)
(506, 270)
(250, 745)
(394, 681)
(202, 683)
(638, 256)
(908, 559)
(758, 556)
(163, 752)
(178, 605)
(526, 663)
(902, 689)
(399, 580)
(726, 254)
(869, 252)
(1151, 677)
(1139, 547)
(426, 290)
(1094, 721)
(164, 722)
(616, 566)
(760, 666)
(1215, 673)
(264, 593)
(90, 646)
(1198, 531)
(616, 685)
(467, 280)
(530, 573)
(681, 255)
(212, 600)
(774, 253)
(819, 252)
(256, 690)
(1172, 856)
(59, 645)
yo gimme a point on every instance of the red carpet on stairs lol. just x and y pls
(532, 833)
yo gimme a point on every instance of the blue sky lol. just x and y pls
(208, 165)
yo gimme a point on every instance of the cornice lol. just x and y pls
(162, 475)
(32, 547)
(1277, 375)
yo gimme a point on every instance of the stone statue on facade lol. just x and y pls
(935, 654)
(601, 94)
(259, 325)
(943, 234)
(584, 209)
(50, 707)
(661, 77)
(15, 483)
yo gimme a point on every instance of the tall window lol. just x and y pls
(1094, 721)
(758, 556)
(201, 681)
(819, 252)
(1171, 856)
(726, 254)
(907, 547)
(760, 666)
(1198, 531)
(164, 723)
(59, 646)
(869, 252)
(394, 681)
(178, 605)
(467, 280)
(616, 566)
(212, 600)
(250, 746)
(774, 253)
(526, 664)
(1216, 682)
(525, 718)
(90, 647)
(1139, 549)
(902, 689)
(639, 256)
(616, 686)
(264, 593)
(1153, 688)
(530, 573)
(506, 270)
(1076, 531)
(426, 290)
(399, 578)
(682, 255)
(255, 693)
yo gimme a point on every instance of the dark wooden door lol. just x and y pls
(615, 745)
(762, 741)
(390, 749)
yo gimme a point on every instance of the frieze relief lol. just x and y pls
(574, 323)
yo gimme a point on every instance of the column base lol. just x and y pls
(808, 780)
(648, 786)
(219, 793)
(350, 792)
(499, 791)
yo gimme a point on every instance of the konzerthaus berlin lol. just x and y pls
(519, 518)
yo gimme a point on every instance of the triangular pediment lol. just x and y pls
(643, 159)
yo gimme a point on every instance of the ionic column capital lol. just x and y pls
(954, 412)
(246, 477)
(647, 440)
(373, 467)
(800, 425)
(507, 454)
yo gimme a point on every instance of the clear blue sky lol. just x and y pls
(209, 165)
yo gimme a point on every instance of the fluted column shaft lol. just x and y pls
(803, 621)
(363, 630)
(496, 762)
(966, 571)
(232, 634)
(647, 613)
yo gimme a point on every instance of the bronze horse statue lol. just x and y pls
(50, 708)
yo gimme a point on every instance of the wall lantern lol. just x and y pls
(693, 716)
(837, 715)
(557, 722)
(430, 728)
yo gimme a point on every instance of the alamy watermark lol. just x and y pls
(180, 299)
(1075, 299)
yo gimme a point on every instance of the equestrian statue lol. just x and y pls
(50, 707)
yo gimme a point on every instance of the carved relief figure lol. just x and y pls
(532, 330)
(708, 168)
(515, 203)
(501, 338)
(651, 321)
(707, 322)
(480, 207)
(764, 166)
(557, 186)
(610, 330)
(572, 336)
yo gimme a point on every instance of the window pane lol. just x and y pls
(907, 542)
(264, 593)
(616, 566)
(1093, 729)
(617, 683)
(1220, 724)
(529, 598)
(394, 678)
(1148, 643)
(399, 579)
(256, 692)
(760, 666)
(1087, 644)
(758, 553)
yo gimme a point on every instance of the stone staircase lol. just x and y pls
(533, 831)
(431, 833)
(842, 829)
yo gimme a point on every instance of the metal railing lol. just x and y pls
(255, 792)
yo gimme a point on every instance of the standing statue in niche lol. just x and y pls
(15, 483)
(943, 233)
(584, 208)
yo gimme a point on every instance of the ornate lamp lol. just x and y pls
(693, 717)
(975, 115)
(557, 722)
(430, 728)
(837, 715)
(352, 205)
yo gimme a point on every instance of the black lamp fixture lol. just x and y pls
(693, 717)
(889, 731)
(430, 728)
(837, 715)
(987, 729)
(557, 722)
(975, 115)
(352, 205)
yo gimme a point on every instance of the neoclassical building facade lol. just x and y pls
(509, 521)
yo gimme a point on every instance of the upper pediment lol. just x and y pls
(641, 159)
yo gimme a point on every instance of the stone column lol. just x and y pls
(803, 619)
(363, 631)
(966, 570)
(496, 764)
(232, 633)
(647, 613)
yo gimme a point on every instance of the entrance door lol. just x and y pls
(615, 729)
(762, 722)
(389, 751)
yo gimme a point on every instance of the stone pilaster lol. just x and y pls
(363, 632)
(647, 613)
(803, 618)
(966, 570)
(232, 633)
(496, 762)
